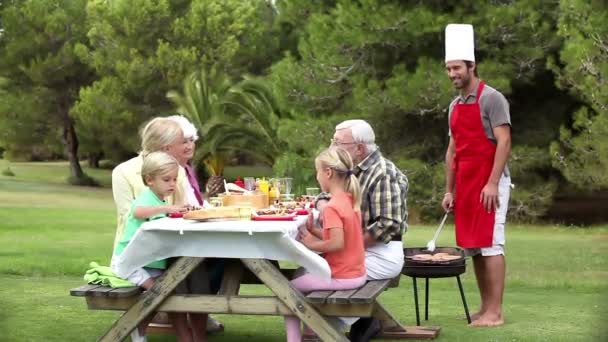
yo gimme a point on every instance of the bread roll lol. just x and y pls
(213, 213)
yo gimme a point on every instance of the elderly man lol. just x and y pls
(383, 208)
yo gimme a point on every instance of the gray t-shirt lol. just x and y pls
(494, 111)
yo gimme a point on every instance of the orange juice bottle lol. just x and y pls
(273, 195)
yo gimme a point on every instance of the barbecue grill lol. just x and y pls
(427, 269)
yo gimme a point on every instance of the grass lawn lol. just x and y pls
(557, 276)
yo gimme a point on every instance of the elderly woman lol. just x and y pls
(184, 152)
(176, 136)
(127, 183)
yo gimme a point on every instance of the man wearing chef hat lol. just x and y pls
(477, 176)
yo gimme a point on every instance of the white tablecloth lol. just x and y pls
(168, 237)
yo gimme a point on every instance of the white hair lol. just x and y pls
(187, 127)
(362, 133)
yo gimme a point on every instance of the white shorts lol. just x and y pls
(384, 261)
(140, 275)
(500, 219)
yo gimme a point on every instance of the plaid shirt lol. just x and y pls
(384, 190)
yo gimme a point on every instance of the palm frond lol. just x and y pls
(230, 117)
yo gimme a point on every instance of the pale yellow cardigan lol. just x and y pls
(127, 184)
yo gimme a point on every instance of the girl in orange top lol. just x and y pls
(341, 240)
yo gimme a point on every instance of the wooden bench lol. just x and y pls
(359, 302)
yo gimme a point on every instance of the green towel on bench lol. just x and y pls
(103, 275)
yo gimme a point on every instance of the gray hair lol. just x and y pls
(362, 133)
(187, 127)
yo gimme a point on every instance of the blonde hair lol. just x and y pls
(341, 163)
(159, 133)
(157, 164)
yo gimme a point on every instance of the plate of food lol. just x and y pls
(273, 215)
(299, 211)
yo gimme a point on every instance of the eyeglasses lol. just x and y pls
(335, 142)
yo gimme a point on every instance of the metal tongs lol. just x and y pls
(431, 244)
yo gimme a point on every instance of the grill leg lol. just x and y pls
(426, 299)
(416, 301)
(464, 301)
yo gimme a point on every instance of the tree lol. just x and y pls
(38, 59)
(141, 49)
(383, 61)
(582, 150)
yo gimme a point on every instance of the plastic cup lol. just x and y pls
(245, 213)
(312, 192)
(286, 184)
(249, 183)
(216, 201)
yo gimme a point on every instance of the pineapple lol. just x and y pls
(215, 167)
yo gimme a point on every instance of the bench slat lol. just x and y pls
(101, 291)
(83, 290)
(369, 291)
(394, 282)
(318, 296)
(340, 297)
(124, 292)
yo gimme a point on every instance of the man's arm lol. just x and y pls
(489, 194)
(387, 205)
(448, 197)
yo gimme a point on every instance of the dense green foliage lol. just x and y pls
(584, 144)
(318, 62)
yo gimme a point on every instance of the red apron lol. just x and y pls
(472, 165)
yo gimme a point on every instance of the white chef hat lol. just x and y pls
(459, 42)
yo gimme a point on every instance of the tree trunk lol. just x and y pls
(70, 141)
(94, 158)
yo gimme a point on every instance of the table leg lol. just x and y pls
(324, 327)
(392, 329)
(231, 281)
(389, 322)
(151, 299)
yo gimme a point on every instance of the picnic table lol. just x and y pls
(255, 244)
